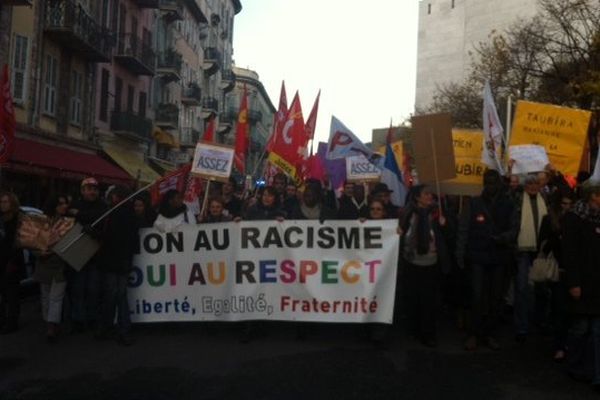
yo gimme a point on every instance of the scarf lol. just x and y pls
(585, 212)
(528, 233)
(170, 212)
(423, 230)
(311, 213)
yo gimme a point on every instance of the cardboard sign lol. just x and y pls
(212, 161)
(561, 131)
(358, 168)
(468, 165)
(433, 150)
(528, 158)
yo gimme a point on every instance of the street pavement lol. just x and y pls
(195, 361)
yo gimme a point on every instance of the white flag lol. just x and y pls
(492, 132)
(343, 143)
(596, 174)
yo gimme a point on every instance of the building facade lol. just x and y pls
(448, 30)
(117, 89)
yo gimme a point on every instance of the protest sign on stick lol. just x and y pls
(469, 167)
(528, 158)
(561, 130)
(358, 168)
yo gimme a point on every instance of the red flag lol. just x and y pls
(311, 122)
(279, 117)
(241, 136)
(8, 124)
(289, 146)
(174, 180)
(209, 133)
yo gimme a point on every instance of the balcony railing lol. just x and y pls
(17, 2)
(227, 80)
(212, 60)
(210, 104)
(135, 55)
(169, 65)
(147, 3)
(172, 10)
(67, 23)
(192, 95)
(189, 137)
(131, 125)
(254, 115)
(167, 116)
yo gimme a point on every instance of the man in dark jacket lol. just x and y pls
(312, 205)
(349, 206)
(84, 286)
(486, 233)
(581, 252)
(120, 241)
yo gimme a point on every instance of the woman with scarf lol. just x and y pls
(423, 253)
(581, 252)
(172, 213)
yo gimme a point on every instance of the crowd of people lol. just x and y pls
(473, 254)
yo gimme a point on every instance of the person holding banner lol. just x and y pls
(216, 212)
(268, 207)
(350, 207)
(231, 202)
(424, 254)
(383, 193)
(581, 252)
(84, 286)
(486, 233)
(144, 212)
(312, 205)
(172, 213)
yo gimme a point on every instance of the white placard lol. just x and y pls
(212, 161)
(341, 271)
(358, 168)
(528, 158)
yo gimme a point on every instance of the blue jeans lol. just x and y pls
(84, 287)
(584, 348)
(523, 292)
(115, 302)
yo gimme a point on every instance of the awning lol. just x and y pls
(132, 163)
(162, 165)
(36, 158)
(164, 137)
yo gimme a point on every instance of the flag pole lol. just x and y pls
(205, 200)
(435, 170)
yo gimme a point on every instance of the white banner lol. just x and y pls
(358, 168)
(342, 271)
(528, 158)
(212, 161)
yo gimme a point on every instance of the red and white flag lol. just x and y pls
(8, 124)
(176, 180)
(279, 117)
(492, 132)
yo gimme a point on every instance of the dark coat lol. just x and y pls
(487, 231)
(120, 240)
(88, 212)
(258, 213)
(348, 210)
(325, 214)
(581, 258)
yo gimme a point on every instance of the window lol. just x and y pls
(104, 96)
(130, 98)
(452, 4)
(50, 83)
(429, 8)
(76, 97)
(19, 68)
(143, 104)
(118, 94)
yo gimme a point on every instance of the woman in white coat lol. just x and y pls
(172, 213)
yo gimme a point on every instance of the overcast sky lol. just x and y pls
(361, 54)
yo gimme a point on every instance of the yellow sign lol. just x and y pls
(398, 149)
(467, 154)
(561, 130)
